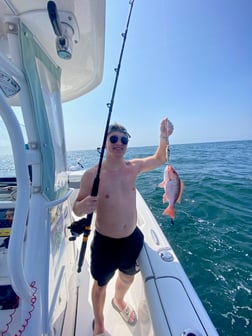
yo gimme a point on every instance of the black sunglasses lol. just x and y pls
(114, 138)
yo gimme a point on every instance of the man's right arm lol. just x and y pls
(84, 203)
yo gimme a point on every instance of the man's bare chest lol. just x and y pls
(112, 183)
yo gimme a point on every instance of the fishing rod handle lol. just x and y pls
(82, 252)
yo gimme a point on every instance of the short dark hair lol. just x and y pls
(118, 128)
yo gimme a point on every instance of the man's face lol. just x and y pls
(117, 143)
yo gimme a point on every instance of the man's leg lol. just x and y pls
(98, 299)
(123, 283)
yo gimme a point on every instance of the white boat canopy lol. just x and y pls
(85, 22)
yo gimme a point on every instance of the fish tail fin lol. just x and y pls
(169, 211)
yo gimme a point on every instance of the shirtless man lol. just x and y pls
(117, 240)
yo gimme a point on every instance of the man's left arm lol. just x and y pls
(162, 153)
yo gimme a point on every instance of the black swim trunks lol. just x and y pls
(109, 254)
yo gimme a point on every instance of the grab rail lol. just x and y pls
(15, 261)
(58, 201)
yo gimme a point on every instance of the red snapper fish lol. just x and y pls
(173, 187)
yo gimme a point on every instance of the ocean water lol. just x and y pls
(212, 233)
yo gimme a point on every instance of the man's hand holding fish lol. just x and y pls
(166, 129)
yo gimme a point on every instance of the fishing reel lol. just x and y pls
(79, 227)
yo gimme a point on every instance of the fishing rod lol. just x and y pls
(84, 224)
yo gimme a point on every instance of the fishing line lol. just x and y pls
(84, 225)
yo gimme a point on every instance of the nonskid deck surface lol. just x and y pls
(114, 323)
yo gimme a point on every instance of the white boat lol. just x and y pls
(41, 292)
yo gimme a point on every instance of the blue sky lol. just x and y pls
(189, 60)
